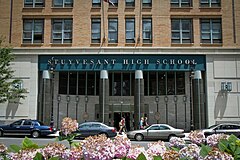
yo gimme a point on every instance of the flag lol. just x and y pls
(109, 1)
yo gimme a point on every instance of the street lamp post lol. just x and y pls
(157, 116)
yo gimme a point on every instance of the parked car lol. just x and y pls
(27, 127)
(156, 131)
(87, 129)
(226, 128)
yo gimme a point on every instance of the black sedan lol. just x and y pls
(27, 127)
(225, 128)
(95, 128)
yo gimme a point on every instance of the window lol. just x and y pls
(33, 31)
(120, 84)
(130, 30)
(96, 30)
(62, 3)
(147, 3)
(130, 3)
(210, 3)
(112, 30)
(33, 3)
(181, 3)
(96, 3)
(211, 31)
(164, 83)
(147, 30)
(62, 31)
(182, 31)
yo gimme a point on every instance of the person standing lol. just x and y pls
(122, 125)
(145, 122)
(141, 123)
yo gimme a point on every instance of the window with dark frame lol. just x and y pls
(164, 83)
(61, 31)
(130, 30)
(33, 30)
(62, 3)
(210, 3)
(96, 3)
(96, 30)
(182, 31)
(147, 30)
(147, 3)
(112, 30)
(130, 3)
(34, 3)
(181, 3)
(211, 31)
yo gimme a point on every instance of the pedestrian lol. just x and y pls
(122, 126)
(141, 123)
(145, 122)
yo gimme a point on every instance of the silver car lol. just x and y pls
(156, 131)
(225, 128)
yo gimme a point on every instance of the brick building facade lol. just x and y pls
(167, 41)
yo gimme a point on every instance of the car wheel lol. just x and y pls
(1, 133)
(139, 137)
(35, 134)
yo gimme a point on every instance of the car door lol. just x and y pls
(95, 129)
(26, 127)
(153, 132)
(13, 128)
(164, 132)
(84, 130)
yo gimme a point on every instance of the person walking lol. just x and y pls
(141, 123)
(122, 126)
(145, 122)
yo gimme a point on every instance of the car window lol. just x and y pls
(154, 128)
(27, 123)
(96, 126)
(17, 123)
(164, 128)
(84, 126)
(228, 127)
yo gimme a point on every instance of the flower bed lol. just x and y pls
(214, 147)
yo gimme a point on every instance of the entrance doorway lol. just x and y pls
(117, 119)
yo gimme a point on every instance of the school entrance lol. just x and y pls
(122, 110)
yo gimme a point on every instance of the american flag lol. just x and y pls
(109, 1)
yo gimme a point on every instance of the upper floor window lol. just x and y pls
(130, 30)
(130, 3)
(181, 3)
(147, 30)
(96, 3)
(62, 31)
(211, 31)
(33, 3)
(62, 3)
(33, 30)
(182, 31)
(210, 3)
(96, 30)
(147, 3)
(112, 30)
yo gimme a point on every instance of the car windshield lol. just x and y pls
(213, 126)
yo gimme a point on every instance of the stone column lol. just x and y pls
(197, 99)
(104, 97)
(138, 97)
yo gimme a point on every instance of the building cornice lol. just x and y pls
(124, 50)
